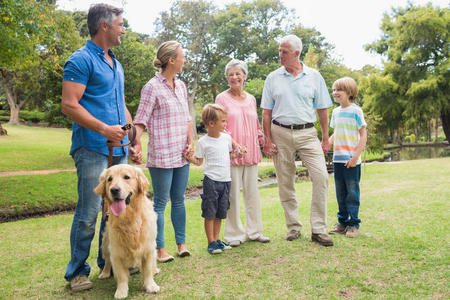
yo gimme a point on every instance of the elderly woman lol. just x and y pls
(163, 109)
(243, 126)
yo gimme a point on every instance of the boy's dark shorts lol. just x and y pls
(215, 198)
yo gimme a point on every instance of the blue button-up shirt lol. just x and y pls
(103, 97)
(294, 99)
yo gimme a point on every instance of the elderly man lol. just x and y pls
(290, 96)
(93, 98)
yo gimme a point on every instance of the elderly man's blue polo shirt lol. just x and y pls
(103, 97)
(294, 99)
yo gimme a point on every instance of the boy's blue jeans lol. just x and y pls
(90, 165)
(171, 182)
(347, 193)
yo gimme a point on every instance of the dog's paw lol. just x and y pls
(121, 293)
(152, 288)
(104, 275)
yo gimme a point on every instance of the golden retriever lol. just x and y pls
(129, 237)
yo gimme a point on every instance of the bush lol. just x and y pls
(24, 115)
(410, 138)
(54, 115)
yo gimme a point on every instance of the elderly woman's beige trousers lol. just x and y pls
(247, 178)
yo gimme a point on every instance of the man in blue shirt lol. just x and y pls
(290, 97)
(93, 98)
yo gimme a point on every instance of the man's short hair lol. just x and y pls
(211, 113)
(99, 13)
(294, 41)
(348, 85)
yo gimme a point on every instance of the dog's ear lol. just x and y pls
(101, 187)
(141, 180)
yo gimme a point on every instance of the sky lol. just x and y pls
(347, 24)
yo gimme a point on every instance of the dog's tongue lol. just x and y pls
(117, 207)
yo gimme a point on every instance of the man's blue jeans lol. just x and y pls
(347, 193)
(171, 182)
(89, 166)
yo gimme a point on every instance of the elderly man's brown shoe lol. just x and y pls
(322, 239)
(293, 235)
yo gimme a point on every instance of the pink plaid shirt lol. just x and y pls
(165, 113)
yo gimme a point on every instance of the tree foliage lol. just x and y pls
(37, 38)
(136, 58)
(415, 42)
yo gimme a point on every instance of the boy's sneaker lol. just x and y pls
(223, 245)
(352, 232)
(338, 228)
(80, 283)
(213, 248)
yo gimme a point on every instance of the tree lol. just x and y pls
(29, 35)
(191, 23)
(137, 62)
(382, 100)
(415, 43)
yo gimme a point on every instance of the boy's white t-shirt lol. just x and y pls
(216, 155)
(346, 123)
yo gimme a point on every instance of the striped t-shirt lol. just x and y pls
(346, 123)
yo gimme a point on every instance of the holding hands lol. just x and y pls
(238, 151)
(269, 149)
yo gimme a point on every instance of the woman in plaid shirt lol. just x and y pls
(164, 111)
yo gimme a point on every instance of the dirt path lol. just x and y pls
(34, 172)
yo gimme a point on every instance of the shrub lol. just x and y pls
(24, 115)
(410, 138)
(54, 115)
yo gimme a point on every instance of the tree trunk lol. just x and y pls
(3, 131)
(11, 97)
(399, 137)
(429, 126)
(436, 130)
(14, 115)
(191, 98)
(445, 118)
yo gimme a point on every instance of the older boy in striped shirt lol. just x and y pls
(349, 140)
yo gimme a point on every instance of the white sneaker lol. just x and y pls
(262, 239)
(234, 243)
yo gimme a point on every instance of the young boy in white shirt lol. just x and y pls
(215, 149)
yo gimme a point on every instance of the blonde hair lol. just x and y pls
(348, 85)
(212, 112)
(166, 51)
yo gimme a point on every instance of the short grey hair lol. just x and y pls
(294, 41)
(99, 13)
(236, 63)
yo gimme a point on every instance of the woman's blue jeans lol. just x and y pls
(347, 193)
(89, 166)
(171, 182)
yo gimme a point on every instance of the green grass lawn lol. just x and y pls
(402, 252)
(38, 148)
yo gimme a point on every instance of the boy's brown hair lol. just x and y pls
(348, 85)
(212, 112)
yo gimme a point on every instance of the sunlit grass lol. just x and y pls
(402, 252)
